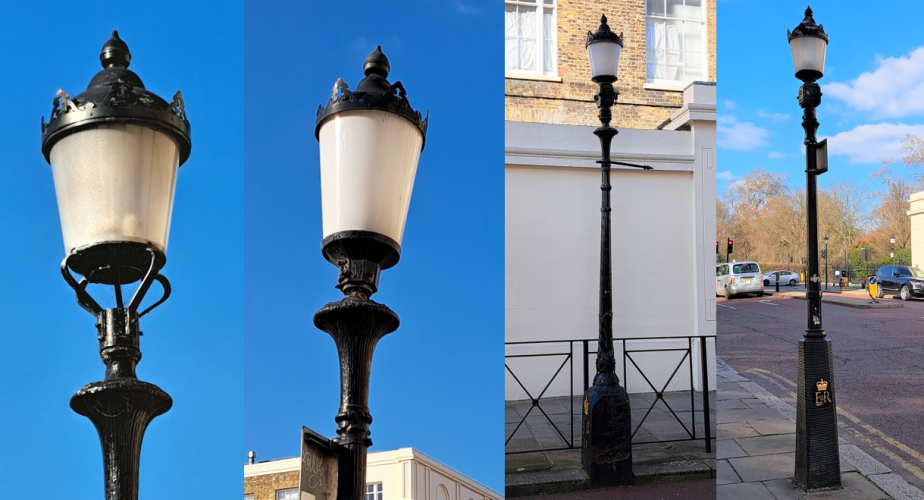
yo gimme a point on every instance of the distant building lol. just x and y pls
(402, 474)
(917, 228)
(663, 220)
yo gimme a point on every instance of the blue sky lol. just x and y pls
(193, 344)
(437, 381)
(872, 86)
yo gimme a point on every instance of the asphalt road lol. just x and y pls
(703, 489)
(878, 363)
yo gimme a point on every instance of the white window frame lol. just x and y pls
(248, 496)
(540, 73)
(376, 491)
(286, 492)
(661, 84)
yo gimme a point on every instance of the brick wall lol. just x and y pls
(571, 100)
(264, 487)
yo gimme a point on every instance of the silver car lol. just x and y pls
(786, 277)
(735, 278)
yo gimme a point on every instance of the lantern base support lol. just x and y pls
(115, 263)
(817, 452)
(360, 256)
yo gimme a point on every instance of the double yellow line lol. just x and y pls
(873, 437)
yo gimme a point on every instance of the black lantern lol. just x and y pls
(808, 43)
(114, 151)
(370, 141)
(606, 445)
(817, 463)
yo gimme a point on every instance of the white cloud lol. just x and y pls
(777, 117)
(894, 89)
(729, 104)
(744, 136)
(467, 9)
(870, 143)
(775, 155)
(726, 176)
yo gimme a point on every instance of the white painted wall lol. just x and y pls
(663, 237)
(917, 228)
(405, 474)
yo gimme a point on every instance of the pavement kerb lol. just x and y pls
(854, 300)
(891, 483)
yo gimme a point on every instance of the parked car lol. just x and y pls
(904, 281)
(786, 277)
(734, 278)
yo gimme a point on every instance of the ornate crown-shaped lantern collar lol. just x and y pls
(373, 92)
(116, 95)
(808, 28)
(603, 34)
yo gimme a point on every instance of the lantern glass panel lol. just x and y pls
(808, 53)
(604, 58)
(368, 164)
(115, 183)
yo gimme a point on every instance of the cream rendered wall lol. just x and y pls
(917, 228)
(405, 474)
(663, 237)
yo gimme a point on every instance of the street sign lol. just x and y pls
(821, 157)
(872, 286)
(317, 478)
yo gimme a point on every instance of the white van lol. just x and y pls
(735, 278)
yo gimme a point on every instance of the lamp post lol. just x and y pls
(114, 151)
(826, 262)
(892, 253)
(606, 448)
(370, 141)
(817, 457)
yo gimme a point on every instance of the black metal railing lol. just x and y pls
(565, 350)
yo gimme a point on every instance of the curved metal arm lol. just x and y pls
(90, 305)
(83, 297)
(166, 285)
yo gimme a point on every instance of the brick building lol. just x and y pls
(668, 45)
(403, 474)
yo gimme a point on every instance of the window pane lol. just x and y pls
(527, 54)
(674, 8)
(527, 23)
(510, 53)
(692, 37)
(510, 20)
(290, 494)
(655, 7)
(547, 40)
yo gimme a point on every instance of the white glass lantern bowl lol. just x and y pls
(114, 151)
(604, 49)
(808, 43)
(370, 142)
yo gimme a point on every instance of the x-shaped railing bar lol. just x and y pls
(535, 400)
(659, 395)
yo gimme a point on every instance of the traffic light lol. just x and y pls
(824, 254)
(717, 248)
(728, 249)
(790, 259)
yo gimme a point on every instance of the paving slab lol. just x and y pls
(764, 468)
(728, 448)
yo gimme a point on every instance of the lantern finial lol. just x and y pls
(115, 52)
(376, 63)
(808, 27)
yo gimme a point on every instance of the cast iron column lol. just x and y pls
(356, 324)
(120, 406)
(606, 448)
(817, 455)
